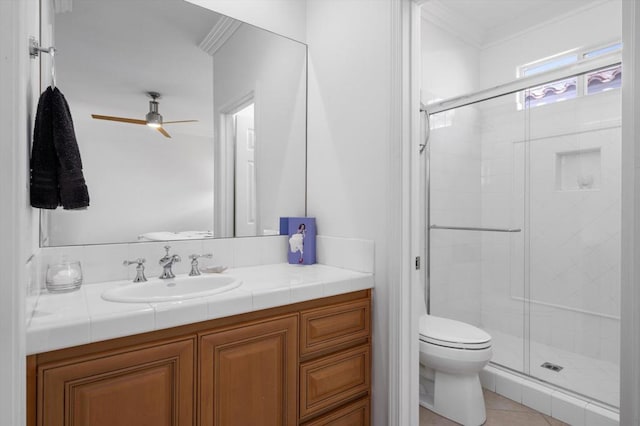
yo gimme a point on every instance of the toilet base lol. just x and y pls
(456, 397)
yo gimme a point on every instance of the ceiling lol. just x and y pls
(485, 22)
(110, 53)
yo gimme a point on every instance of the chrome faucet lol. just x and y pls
(194, 263)
(139, 269)
(167, 262)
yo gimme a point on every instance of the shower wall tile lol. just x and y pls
(610, 340)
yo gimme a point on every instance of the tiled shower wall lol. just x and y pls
(573, 275)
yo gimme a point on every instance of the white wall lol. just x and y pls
(449, 64)
(348, 146)
(18, 85)
(285, 17)
(272, 69)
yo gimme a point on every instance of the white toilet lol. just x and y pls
(452, 353)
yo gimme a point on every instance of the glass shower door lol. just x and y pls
(476, 222)
(574, 189)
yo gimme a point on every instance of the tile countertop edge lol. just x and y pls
(266, 286)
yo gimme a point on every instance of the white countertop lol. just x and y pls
(69, 319)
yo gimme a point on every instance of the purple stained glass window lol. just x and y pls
(604, 79)
(552, 92)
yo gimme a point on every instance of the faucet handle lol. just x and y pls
(139, 261)
(194, 263)
(139, 269)
(198, 256)
(167, 249)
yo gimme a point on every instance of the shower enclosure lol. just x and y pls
(523, 222)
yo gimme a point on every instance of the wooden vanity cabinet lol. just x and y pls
(248, 374)
(303, 364)
(150, 385)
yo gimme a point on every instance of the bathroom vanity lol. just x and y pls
(302, 363)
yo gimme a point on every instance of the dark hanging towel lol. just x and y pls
(56, 167)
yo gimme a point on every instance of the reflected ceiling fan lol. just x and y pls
(152, 119)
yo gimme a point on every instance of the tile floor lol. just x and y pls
(500, 412)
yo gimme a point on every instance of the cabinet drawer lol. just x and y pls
(329, 381)
(325, 328)
(354, 414)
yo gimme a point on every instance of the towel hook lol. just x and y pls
(34, 52)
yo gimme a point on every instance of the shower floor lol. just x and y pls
(590, 377)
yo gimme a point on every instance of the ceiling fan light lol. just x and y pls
(154, 120)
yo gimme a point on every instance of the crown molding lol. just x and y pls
(219, 34)
(438, 14)
(62, 6)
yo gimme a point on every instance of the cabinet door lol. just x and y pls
(146, 386)
(248, 375)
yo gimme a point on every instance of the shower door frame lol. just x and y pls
(581, 67)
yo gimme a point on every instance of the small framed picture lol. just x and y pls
(302, 239)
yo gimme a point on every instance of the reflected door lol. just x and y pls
(245, 176)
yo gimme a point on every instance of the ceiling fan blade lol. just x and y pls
(181, 121)
(164, 132)
(120, 119)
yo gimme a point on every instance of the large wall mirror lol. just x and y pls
(232, 162)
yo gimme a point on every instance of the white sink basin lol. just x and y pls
(173, 289)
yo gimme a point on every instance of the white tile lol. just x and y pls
(509, 386)
(568, 409)
(55, 325)
(222, 250)
(536, 397)
(104, 263)
(598, 416)
(331, 288)
(111, 325)
(270, 297)
(332, 252)
(488, 379)
(113, 319)
(247, 251)
(44, 338)
(32, 275)
(321, 249)
(173, 314)
(234, 302)
(307, 291)
(273, 249)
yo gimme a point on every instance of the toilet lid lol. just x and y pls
(453, 334)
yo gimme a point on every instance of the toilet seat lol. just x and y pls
(452, 334)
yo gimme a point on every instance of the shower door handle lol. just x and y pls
(470, 228)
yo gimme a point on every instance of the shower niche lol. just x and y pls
(578, 170)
